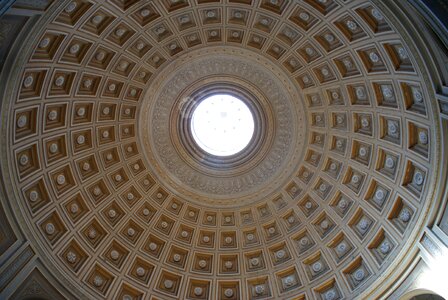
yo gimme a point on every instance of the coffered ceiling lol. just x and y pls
(121, 203)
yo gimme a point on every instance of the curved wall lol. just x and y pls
(103, 202)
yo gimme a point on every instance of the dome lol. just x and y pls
(222, 149)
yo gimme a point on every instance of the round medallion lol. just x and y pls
(114, 254)
(255, 261)
(50, 229)
(168, 284)
(317, 266)
(71, 7)
(34, 196)
(202, 264)
(152, 246)
(98, 281)
(198, 291)
(71, 257)
(140, 271)
(92, 234)
(259, 289)
(228, 293)
(359, 274)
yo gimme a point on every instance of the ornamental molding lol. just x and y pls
(242, 68)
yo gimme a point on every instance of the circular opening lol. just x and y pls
(222, 125)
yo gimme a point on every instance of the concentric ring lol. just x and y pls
(275, 151)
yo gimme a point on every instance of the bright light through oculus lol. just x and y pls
(222, 125)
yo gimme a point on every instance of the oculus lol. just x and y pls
(222, 125)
